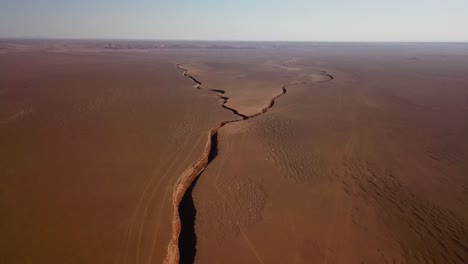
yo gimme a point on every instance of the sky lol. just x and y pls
(244, 20)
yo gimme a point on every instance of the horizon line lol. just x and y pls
(232, 40)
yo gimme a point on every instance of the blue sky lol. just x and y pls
(276, 20)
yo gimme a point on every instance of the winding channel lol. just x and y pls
(182, 247)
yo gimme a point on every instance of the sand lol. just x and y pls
(142, 152)
(90, 154)
(367, 168)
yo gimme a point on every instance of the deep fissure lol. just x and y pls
(182, 248)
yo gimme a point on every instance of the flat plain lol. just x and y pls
(151, 152)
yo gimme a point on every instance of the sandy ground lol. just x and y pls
(368, 168)
(251, 85)
(360, 158)
(91, 147)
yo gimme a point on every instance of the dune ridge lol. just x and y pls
(189, 176)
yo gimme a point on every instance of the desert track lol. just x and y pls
(188, 179)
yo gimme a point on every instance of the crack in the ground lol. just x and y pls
(182, 247)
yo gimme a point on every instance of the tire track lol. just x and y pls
(188, 178)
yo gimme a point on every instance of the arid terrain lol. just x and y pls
(249, 152)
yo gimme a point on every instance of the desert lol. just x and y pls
(233, 152)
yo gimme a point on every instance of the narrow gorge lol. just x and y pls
(182, 247)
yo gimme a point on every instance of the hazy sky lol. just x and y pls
(302, 20)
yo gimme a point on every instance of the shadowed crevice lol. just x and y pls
(187, 236)
(214, 148)
(218, 91)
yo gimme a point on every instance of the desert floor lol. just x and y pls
(145, 152)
